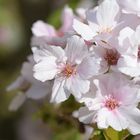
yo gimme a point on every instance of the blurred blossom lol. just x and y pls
(28, 86)
(29, 129)
(4, 35)
(137, 137)
(89, 131)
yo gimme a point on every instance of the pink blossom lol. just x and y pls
(68, 67)
(114, 98)
(46, 33)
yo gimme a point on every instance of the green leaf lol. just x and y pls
(97, 135)
(55, 18)
(111, 134)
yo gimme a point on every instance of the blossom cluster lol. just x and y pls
(95, 57)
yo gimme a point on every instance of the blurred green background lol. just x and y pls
(16, 19)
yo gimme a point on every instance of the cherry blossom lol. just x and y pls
(129, 42)
(71, 68)
(112, 104)
(28, 86)
(46, 33)
(102, 22)
(130, 6)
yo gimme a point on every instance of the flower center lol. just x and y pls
(105, 30)
(68, 70)
(111, 103)
(60, 34)
(111, 57)
(88, 43)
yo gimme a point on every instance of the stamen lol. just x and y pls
(105, 30)
(111, 57)
(68, 70)
(111, 103)
(60, 34)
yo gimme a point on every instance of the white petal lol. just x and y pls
(58, 93)
(92, 104)
(43, 29)
(27, 72)
(137, 34)
(89, 67)
(91, 15)
(102, 116)
(134, 121)
(117, 121)
(17, 102)
(84, 30)
(47, 51)
(126, 32)
(101, 86)
(76, 49)
(56, 51)
(40, 53)
(131, 71)
(127, 42)
(134, 128)
(128, 61)
(130, 6)
(81, 12)
(77, 86)
(46, 69)
(107, 13)
(122, 119)
(39, 91)
(113, 121)
(92, 21)
(127, 94)
(67, 19)
(16, 84)
(85, 115)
